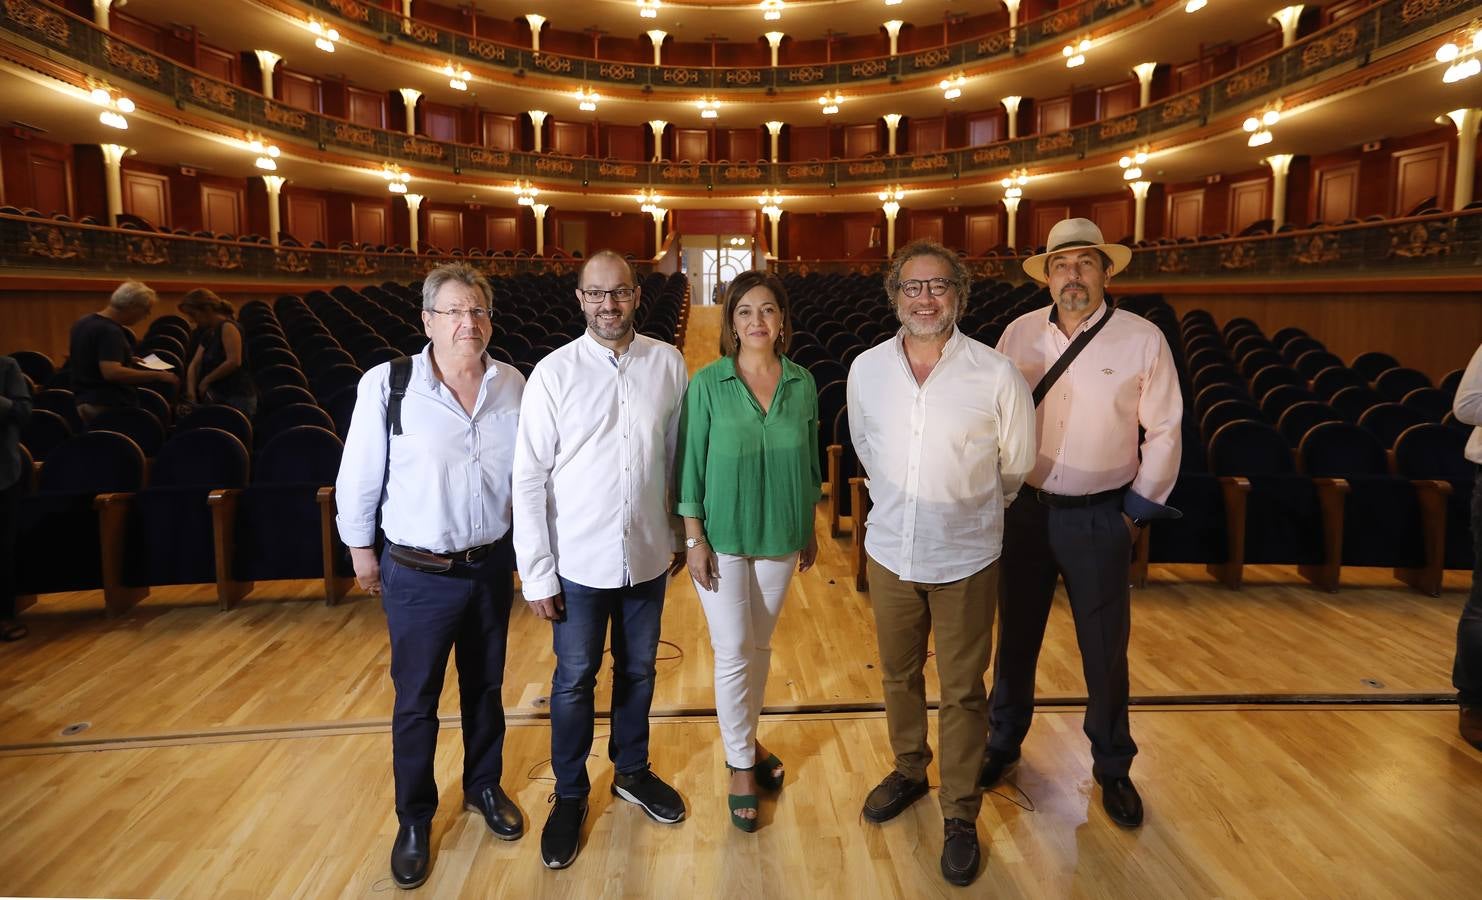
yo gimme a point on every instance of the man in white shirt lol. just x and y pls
(430, 447)
(1466, 675)
(595, 540)
(944, 428)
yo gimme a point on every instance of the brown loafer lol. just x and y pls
(891, 796)
(961, 855)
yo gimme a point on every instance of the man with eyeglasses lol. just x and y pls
(431, 448)
(944, 430)
(595, 539)
(1108, 413)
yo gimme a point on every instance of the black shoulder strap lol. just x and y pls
(1068, 357)
(401, 376)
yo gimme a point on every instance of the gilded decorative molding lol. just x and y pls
(146, 251)
(805, 74)
(1237, 256)
(680, 172)
(487, 50)
(421, 33)
(346, 133)
(869, 68)
(1418, 10)
(52, 27)
(1243, 83)
(617, 170)
(805, 170)
(1116, 128)
(1340, 43)
(421, 149)
(741, 173)
(222, 257)
(483, 157)
(125, 57)
(930, 163)
(1172, 262)
(994, 43)
(617, 72)
(212, 92)
(996, 154)
(555, 165)
(743, 77)
(1181, 107)
(561, 64)
(1418, 240)
(356, 12)
(285, 117)
(682, 77)
(869, 167)
(49, 242)
(931, 59)
(1066, 20)
(1319, 249)
(1053, 143)
(291, 261)
(360, 265)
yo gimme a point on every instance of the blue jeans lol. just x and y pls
(429, 616)
(578, 639)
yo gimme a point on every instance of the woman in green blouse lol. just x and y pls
(748, 484)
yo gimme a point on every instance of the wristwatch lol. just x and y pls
(692, 543)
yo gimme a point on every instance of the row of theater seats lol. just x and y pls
(1270, 472)
(218, 498)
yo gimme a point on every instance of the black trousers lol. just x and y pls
(10, 511)
(429, 616)
(1090, 548)
(1467, 673)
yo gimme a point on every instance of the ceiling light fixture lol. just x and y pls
(771, 10)
(649, 200)
(1075, 54)
(588, 99)
(709, 107)
(324, 36)
(114, 104)
(952, 85)
(1463, 52)
(830, 102)
(1193, 6)
(396, 179)
(525, 192)
(648, 9)
(267, 153)
(458, 77)
(1259, 125)
(1013, 184)
(1132, 163)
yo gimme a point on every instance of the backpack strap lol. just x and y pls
(401, 376)
(1068, 357)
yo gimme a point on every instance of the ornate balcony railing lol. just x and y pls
(1341, 47)
(1056, 26)
(32, 245)
(1420, 246)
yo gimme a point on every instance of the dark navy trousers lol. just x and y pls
(429, 615)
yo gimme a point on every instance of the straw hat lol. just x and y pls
(1070, 234)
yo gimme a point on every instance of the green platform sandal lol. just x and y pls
(764, 770)
(738, 802)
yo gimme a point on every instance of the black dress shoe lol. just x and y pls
(1120, 799)
(891, 796)
(411, 857)
(960, 853)
(1470, 725)
(996, 764)
(500, 812)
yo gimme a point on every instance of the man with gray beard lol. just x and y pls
(944, 429)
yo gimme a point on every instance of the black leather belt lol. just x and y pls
(1075, 501)
(435, 563)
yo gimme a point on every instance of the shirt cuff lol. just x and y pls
(693, 510)
(1137, 506)
(357, 535)
(540, 588)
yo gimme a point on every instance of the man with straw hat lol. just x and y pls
(1099, 374)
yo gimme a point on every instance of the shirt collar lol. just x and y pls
(1103, 309)
(954, 341)
(604, 353)
(429, 371)
(726, 369)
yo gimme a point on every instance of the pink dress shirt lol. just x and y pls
(1087, 424)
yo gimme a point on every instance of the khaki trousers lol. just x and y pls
(960, 616)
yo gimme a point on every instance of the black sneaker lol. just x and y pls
(662, 802)
(560, 840)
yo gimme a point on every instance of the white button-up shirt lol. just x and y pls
(943, 458)
(448, 485)
(593, 464)
(1468, 405)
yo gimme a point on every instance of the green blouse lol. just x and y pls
(754, 479)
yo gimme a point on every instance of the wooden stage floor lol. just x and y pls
(247, 754)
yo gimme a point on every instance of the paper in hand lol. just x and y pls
(154, 362)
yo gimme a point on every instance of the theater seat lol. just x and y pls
(1432, 456)
(59, 543)
(281, 526)
(843, 465)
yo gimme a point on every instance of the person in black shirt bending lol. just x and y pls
(102, 352)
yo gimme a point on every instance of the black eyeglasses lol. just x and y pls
(597, 295)
(911, 287)
(477, 313)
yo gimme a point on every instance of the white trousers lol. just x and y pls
(742, 614)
